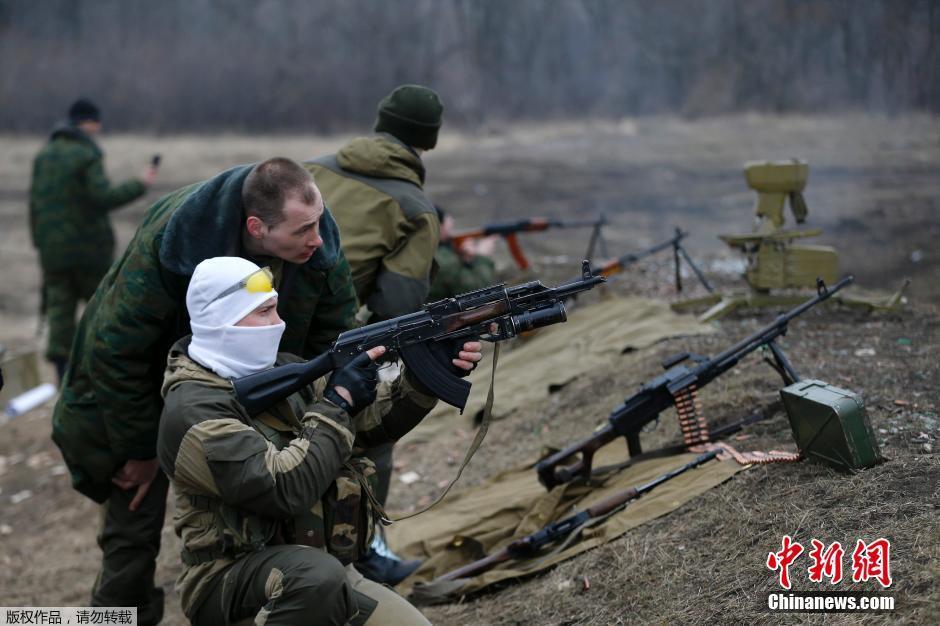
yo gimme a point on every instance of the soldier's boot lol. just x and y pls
(383, 566)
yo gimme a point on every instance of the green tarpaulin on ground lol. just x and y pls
(594, 337)
(468, 524)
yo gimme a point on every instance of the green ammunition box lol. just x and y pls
(830, 425)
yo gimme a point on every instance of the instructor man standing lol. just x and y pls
(69, 200)
(106, 420)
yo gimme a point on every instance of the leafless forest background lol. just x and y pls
(276, 65)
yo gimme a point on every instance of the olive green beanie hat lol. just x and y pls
(413, 114)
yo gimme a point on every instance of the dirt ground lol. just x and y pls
(873, 188)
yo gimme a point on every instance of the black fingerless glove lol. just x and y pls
(360, 377)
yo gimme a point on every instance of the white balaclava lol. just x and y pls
(228, 350)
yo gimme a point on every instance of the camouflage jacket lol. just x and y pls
(389, 227)
(456, 276)
(291, 475)
(110, 402)
(69, 200)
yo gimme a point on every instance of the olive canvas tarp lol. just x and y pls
(471, 523)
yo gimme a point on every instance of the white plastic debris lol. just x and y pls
(865, 352)
(409, 477)
(19, 496)
(29, 400)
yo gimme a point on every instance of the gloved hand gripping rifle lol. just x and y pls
(492, 314)
(674, 386)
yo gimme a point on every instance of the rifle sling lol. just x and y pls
(477, 440)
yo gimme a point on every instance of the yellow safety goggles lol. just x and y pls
(261, 281)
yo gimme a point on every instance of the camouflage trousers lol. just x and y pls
(302, 586)
(63, 290)
(130, 542)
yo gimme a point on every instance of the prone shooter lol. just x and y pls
(510, 230)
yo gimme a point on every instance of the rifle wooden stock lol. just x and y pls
(553, 471)
(509, 230)
(516, 251)
(475, 316)
(478, 567)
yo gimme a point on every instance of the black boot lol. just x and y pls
(385, 570)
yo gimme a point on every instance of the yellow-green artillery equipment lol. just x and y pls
(775, 261)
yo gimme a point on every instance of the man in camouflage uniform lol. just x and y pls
(460, 271)
(272, 509)
(374, 186)
(69, 200)
(105, 422)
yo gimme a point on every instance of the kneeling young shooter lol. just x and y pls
(272, 510)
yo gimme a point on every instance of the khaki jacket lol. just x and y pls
(389, 227)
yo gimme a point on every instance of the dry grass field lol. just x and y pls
(875, 190)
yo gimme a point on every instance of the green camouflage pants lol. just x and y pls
(63, 291)
(130, 542)
(302, 586)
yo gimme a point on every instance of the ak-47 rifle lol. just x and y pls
(492, 314)
(562, 529)
(675, 387)
(615, 266)
(509, 230)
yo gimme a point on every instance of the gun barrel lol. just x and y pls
(615, 265)
(586, 223)
(778, 326)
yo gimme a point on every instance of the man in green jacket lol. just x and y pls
(375, 188)
(69, 200)
(273, 508)
(105, 422)
(460, 271)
